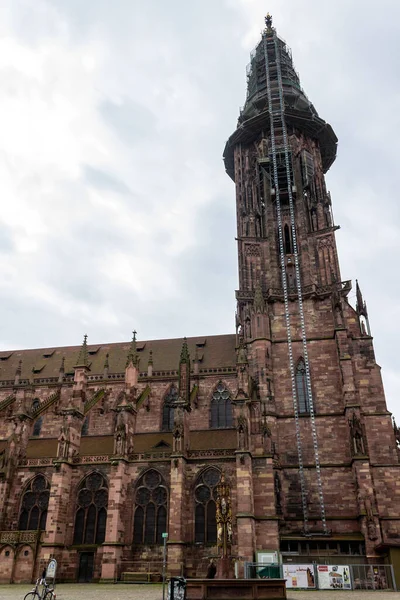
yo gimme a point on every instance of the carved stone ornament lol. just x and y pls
(357, 435)
(252, 250)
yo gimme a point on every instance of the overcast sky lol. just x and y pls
(116, 211)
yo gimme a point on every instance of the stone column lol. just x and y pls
(116, 534)
(245, 508)
(176, 531)
(58, 514)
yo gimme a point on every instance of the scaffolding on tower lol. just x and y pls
(284, 190)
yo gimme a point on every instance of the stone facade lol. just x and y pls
(103, 448)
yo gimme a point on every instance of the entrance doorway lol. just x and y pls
(86, 563)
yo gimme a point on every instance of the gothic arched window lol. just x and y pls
(287, 234)
(151, 503)
(33, 513)
(91, 513)
(301, 386)
(221, 408)
(168, 409)
(205, 524)
(37, 427)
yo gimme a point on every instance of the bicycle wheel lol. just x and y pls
(32, 596)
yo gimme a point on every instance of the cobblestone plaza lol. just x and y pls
(154, 592)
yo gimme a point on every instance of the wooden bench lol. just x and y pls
(140, 577)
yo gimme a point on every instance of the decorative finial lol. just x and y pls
(18, 373)
(151, 357)
(185, 358)
(83, 354)
(61, 370)
(106, 364)
(268, 22)
(132, 357)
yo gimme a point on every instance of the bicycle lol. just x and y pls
(47, 593)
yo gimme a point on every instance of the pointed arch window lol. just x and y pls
(221, 408)
(168, 409)
(33, 512)
(205, 524)
(37, 426)
(91, 512)
(151, 503)
(301, 387)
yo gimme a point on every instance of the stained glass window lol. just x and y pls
(221, 408)
(91, 513)
(151, 501)
(33, 512)
(205, 525)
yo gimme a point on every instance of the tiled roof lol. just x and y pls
(217, 351)
(142, 442)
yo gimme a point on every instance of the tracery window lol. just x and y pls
(151, 502)
(91, 513)
(33, 513)
(205, 524)
(168, 409)
(301, 386)
(221, 408)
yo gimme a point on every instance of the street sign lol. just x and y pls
(165, 535)
(51, 569)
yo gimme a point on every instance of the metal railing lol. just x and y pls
(324, 576)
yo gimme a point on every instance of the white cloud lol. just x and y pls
(115, 207)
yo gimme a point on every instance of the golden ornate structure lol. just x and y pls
(224, 517)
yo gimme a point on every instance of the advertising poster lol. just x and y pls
(334, 577)
(299, 576)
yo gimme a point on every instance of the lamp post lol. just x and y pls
(165, 537)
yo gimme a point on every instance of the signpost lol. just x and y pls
(50, 574)
(165, 537)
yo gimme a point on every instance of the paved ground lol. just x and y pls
(154, 592)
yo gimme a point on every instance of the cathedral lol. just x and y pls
(104, 448)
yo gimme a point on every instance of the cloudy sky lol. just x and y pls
(116, 211)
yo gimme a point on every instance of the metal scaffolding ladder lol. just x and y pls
(279, 140)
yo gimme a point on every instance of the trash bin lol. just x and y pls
(176, 588)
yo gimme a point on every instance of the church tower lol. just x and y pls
(316, 388)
